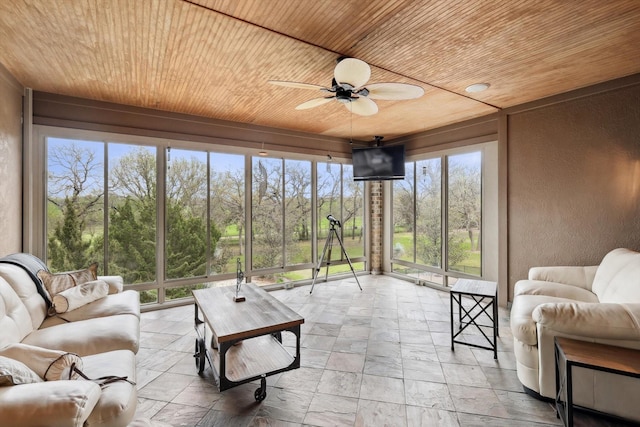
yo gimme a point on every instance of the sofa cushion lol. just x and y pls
(116, 284)
(58, 282)
(581, 277)
(51, 403)
(553, 289)
(117, 404)
(14, 372)
(77, 296)
(91, 336)
(52, 365)
(15, 322)
(24, 287)
(617, 279)
(127, 302)
(30, 264)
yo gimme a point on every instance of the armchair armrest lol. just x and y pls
(591, 320)
(572, 275)
(55, 403)
(115, 283)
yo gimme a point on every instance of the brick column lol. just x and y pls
(375, 190)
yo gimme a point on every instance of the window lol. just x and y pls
(338, 195)
(227, 207)
(464, 207)
(173, 217)
(429, 197)
(131, 231)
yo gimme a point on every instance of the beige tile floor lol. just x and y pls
(377, 357)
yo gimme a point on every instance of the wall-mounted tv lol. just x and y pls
(378, 163)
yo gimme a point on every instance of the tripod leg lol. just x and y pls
(344, 252)
(317, 270)
(326, 272)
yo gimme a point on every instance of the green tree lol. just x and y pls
(227, 208)
(132, 241)
(74, 195)
(67, 250)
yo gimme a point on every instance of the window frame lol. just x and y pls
(448, 275)
(36, 194)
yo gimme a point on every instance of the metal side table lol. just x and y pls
(485, 301)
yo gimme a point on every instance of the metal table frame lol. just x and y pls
(564, 410)
(478, 291)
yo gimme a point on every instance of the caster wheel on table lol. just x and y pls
(260, 395)
(200, 355)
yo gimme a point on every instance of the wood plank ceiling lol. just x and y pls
(212, 58)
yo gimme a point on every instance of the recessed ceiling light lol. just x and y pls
(477, 87)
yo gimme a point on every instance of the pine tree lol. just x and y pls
(67, 250)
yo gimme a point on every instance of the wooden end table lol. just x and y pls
(247, 336)
(485, 296)
(589, 355)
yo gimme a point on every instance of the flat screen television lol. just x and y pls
(378, 163)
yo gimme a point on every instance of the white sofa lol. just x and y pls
(105, 333)
(594, 303)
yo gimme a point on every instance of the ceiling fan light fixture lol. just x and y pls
(477, 87)
(348, 88)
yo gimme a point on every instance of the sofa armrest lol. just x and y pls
(55, 403)
(573, 275)
(116, 284)
(591, 320)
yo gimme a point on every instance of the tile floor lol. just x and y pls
(377, 357)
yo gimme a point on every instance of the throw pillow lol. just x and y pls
(14, 372)
(48, 364)
(58, 282)
(80, 295)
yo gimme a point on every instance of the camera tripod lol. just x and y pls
(327, 252)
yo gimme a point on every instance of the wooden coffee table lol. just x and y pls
(246, 342)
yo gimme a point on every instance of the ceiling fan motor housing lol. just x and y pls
(344, 95)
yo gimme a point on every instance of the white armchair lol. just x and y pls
(594, 303)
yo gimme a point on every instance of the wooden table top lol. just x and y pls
(475, 287)
(260, 314)
(606, 356)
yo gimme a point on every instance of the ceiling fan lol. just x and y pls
(349, 86)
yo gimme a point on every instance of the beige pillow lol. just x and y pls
(51, 365)
(14, 372)
(55, 283)
(80, 295)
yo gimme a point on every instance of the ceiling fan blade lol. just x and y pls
(394, 91)
(296, 85)
(352, 71)
(362, 106)
(314, 103)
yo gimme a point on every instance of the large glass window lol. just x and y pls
(170, 219)
(339, 196)
(227, 206)
(297, 212)
(75, 200)
(131, 231)
(429, 195)
(464, 206)
(267, 220)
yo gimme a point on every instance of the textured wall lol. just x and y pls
(10, 164)
(574, 181)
